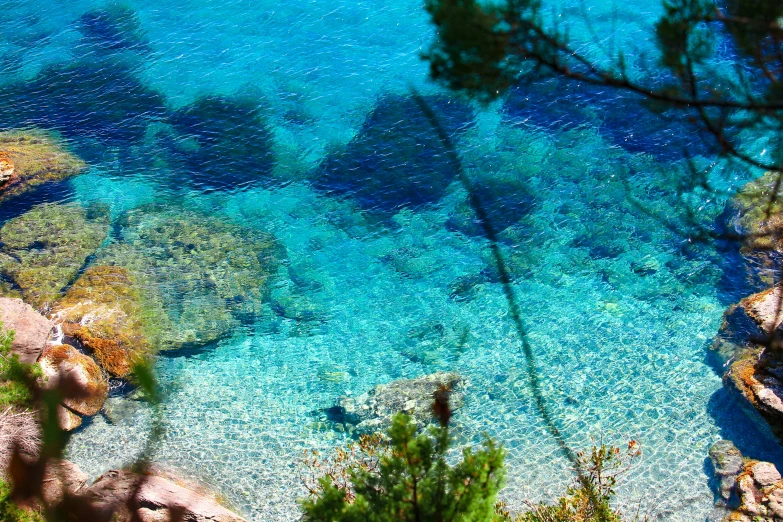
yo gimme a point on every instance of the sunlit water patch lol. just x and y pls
(291, 121)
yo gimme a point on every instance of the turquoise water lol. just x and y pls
(380, 252)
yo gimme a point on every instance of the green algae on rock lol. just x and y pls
(44, 249)
(109, 314)
(30, 158)
(210, 274)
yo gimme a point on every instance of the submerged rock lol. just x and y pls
(31, 329)
(157, 498)
(760, 215)
(67, 369)
(396, 160)
(108, 313)
(373, 411)
(727, 463)
(30, 158)
(45, 248)
(210, 275)
(506, 202)
(223, 143)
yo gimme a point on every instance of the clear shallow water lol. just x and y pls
(620, 310)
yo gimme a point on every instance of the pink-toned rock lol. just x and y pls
(62, 476)
(765, 473)
(66, 419)
(765, 308)
(157, 499)
(31, 329)
(77, 376)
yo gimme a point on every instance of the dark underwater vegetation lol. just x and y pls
(100, 99)
(396, 160)
(620, 117)
(222, 143)
(284, 288)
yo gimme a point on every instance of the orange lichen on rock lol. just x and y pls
(105, 311)
(30, 158)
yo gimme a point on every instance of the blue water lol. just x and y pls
(295, 119)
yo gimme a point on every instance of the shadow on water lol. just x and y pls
(622, 118)
(222, 143)
(396, 161)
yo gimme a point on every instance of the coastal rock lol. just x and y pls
(6, 167)
(30, 158)
(106, 311)
(210, 274)
(373, 411)
(765, 308)
(77, 375)
(158, 499)
(750, 490)
(46, 247)
(31, 329)
(735, 334)
(66, 419)
(758, 377)
(61, 477)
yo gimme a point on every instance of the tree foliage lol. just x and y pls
(413, 480)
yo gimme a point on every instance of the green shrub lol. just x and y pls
(408, 478)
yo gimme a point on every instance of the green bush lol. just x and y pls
(412, 481)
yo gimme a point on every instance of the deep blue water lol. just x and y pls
(296, 119)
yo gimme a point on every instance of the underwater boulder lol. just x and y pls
(625, 119)
(96, 98)
(760, 215)
(30, 158)
(223, 143)
(113, 28)
(373, 410)
(65, 368)
(160, 494)
(107, 311)
(397, 159)
(210, 275)
(44, 249)
(505, 201)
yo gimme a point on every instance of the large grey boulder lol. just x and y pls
(31, 328)
(373, 411)
(156, 498)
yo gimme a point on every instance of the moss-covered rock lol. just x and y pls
(106, 310)
(210, 274)
(44, 249)
(30, 158)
